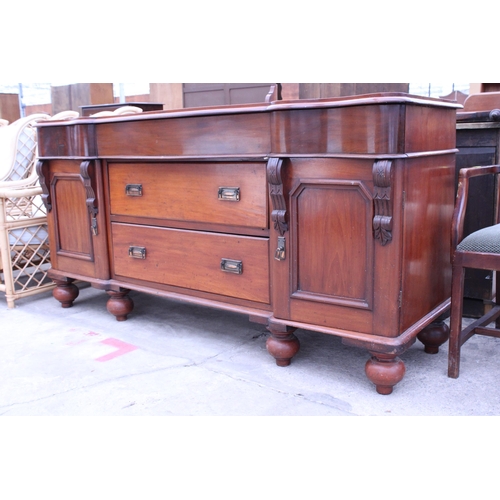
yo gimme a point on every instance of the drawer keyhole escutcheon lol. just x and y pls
(229, 194)
(231, 266)
(137, 252)
(133, 189)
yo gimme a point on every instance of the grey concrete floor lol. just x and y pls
(177, 359)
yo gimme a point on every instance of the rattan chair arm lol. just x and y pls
(7, 192)
(29, 182)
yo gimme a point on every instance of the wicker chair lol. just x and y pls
(479, 250)
(123, 110)
(24, 249)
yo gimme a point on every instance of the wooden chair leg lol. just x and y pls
(457, 289)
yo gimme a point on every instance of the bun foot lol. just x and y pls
(65, 292)
(433, 336)
(119, 304)
(282, 345)
(385, 371)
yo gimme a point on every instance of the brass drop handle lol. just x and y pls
(280, 253)
(231, 266)
(137, 252)
(229, 194)
(133, 189)
(93, 223)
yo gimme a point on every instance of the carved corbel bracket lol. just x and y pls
(42, 170)
(383, 200)
(278, 214)
(275, 181)
(88, 176)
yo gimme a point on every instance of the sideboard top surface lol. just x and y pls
(371, 124)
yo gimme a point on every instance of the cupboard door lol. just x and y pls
(78, 236)
(339, 272)
(333, 243)
(74, 237)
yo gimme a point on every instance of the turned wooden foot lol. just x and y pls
(119, 304)
(282, 345)
(433, 336)
(385, 371)
(65, 292)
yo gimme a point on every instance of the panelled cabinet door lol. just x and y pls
(332, 242)
(333, 276)
(77, 229)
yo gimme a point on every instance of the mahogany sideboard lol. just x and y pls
(329, 215)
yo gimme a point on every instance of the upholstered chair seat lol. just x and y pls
(485, 240)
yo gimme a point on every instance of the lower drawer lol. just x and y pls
(224, 264)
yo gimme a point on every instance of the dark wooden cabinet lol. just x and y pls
(218, 94)
(478, 143)
(330, 215)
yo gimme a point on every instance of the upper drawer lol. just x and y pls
(220, 193)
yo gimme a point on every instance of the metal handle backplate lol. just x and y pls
(231, 266)
(229, 194)
(133, 189)
(137, 252)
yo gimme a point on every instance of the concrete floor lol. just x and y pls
(171, 358)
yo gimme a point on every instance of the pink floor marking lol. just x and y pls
(122, 348)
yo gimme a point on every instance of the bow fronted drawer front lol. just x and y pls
(224, 264)
(218, 193)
